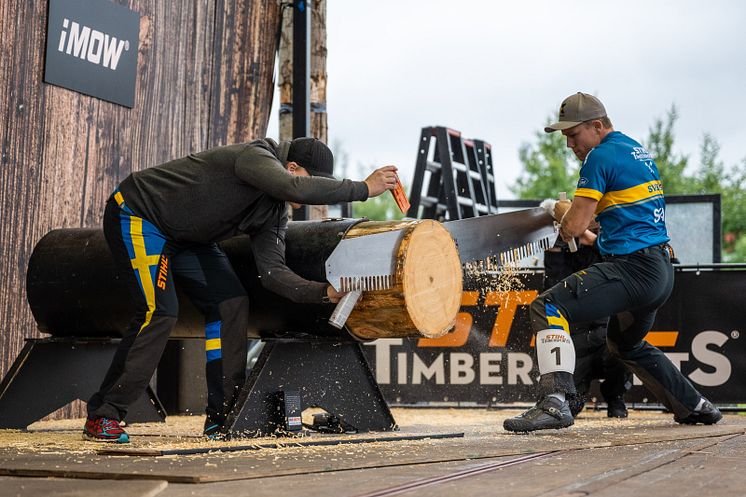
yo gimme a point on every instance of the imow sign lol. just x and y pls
(92, 48)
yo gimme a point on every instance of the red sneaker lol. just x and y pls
(104, 430)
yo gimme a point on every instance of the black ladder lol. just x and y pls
(453, 179)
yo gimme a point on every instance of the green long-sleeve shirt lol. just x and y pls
(220, 193)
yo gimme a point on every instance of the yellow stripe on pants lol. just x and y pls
(141, 263)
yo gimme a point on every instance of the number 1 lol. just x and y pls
(557, 350)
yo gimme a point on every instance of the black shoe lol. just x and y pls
(615, 408)
(213, 430)
(549, 413)
(708, 415)
(576, 403)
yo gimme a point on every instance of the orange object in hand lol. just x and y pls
(400, 196)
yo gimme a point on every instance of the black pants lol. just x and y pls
(594, 361)
(630, 289)
(149, 263)
(592, 357)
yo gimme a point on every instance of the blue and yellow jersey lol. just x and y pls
(623, 177)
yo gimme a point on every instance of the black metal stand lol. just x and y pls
(52, 372)
(461, 183)
(333, 376)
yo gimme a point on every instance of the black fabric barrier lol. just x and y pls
(489, 358)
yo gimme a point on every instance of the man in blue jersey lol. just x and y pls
(619, 184)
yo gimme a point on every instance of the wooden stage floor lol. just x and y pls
(646, 454)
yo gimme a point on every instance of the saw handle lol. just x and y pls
(572, 243)
(344, 308)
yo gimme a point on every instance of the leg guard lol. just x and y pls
(554, 348)
(555, 351)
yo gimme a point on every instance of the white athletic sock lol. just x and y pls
(559, 395)
(699, 406)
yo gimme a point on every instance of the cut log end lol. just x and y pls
(426, 298)
(431, 279)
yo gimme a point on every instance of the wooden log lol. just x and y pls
(426, 296)
(73, 289)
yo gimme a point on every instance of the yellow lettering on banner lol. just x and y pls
(508, 302)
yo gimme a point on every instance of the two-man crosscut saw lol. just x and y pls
(369, 262)
(501, 239)
(361, 264)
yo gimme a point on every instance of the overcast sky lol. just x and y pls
(495, 70)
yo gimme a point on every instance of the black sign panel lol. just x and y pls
(489, 358)
(92, 48)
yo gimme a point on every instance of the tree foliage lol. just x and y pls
(671, 165)
(709, 175)
(549, 167)
(380, 208)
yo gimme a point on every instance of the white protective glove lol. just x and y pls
(548, 205)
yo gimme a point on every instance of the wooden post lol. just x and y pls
(318, 71)
(317, 80)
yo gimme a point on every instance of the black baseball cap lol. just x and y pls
(313, 156)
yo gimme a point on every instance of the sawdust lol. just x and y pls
(184, 432)
(490, 277)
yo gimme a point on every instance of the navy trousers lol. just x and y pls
(630, 289)
(151, 266)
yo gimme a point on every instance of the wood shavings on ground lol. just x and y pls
(184, 432)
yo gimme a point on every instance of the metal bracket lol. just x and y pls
(50, 373)
(333, 376)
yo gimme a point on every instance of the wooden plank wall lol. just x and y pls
(204, 79)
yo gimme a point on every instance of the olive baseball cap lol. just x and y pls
(313, 156)
(577, 109)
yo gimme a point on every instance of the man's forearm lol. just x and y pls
(263, 171)
(578, 217)
(269, 254)
(588, 238)
(287, 284)
(574, 225)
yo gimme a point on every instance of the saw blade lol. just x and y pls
(503, 239)
(364, 263)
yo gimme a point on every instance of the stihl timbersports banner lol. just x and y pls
(489, 358)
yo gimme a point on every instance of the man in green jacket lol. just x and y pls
(165, 222)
